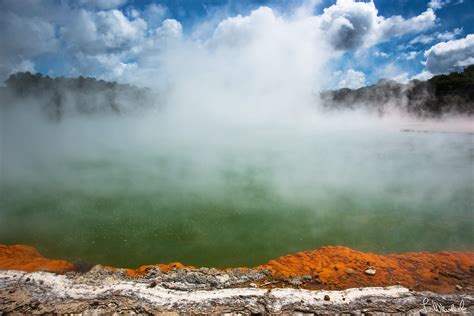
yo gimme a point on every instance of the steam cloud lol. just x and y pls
(236, 110)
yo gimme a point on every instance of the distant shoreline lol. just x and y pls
(450, 94)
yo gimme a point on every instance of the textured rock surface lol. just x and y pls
(329, 268)
(304, 282)
(103, 290)
(440, 272)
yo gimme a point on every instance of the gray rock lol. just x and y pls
(295, 281)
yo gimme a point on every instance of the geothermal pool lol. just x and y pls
(228, 204)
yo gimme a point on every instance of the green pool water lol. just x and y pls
(242, 206)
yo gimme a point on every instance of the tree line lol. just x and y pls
(62, 96)
(444, 94)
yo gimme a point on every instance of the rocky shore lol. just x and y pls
(328, 280)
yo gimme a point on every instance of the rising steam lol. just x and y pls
(234, 132)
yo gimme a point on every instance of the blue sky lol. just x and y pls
(115, 39)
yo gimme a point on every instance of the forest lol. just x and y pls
(59, 97)
(443, 94)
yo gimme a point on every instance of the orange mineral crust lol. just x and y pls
(330, 267)
(25, 258)
(341, 267)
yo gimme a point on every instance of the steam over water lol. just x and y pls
(235, 163)
(137, 190)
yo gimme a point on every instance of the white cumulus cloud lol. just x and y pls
(99, 32)
(22, 39)
(450, 56)
(424, 75)
(352, 79)
(107, 38)
(350, 24)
